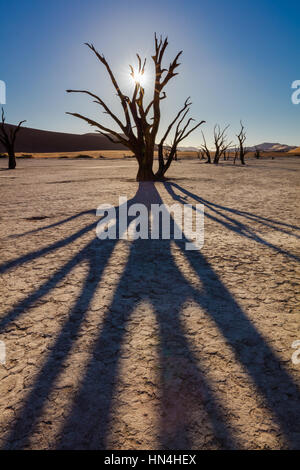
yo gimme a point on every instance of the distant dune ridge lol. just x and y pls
(39, 141)
(270, 147)
(295, 150)
(35, 141)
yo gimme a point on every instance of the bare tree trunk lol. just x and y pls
(11, 160)
(242, 137)
(145, 172)
(161, 162)
(216, 158)
(7, 139)
(162, 170)
(242, 157)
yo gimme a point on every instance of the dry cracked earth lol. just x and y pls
(122, 344)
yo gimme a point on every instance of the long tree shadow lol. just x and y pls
(87, 425)
(275, 224)
(228, 221)
(90, 416)
(55, 224)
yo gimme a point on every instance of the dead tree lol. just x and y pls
(8, 139)
(138, 132)
(224, 150)
(226, 153)
(235, 154)
(242, 137)
(221, 144)
(206, 149)
(201, 154)
(257, 153)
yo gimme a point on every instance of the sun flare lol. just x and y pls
(139, 78)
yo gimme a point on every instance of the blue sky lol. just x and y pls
(239, 61)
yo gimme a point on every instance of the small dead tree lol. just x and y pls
(201, 154)
(8, 139)
(242, 138)
(226, 154)
(221, 144)
(139, 131)
(257, 153)
(205, 149)
(235, 154)
(224, 150)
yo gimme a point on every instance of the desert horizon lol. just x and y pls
(43, 144)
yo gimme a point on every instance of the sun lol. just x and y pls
(139, 78)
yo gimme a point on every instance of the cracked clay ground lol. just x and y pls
(142, 344)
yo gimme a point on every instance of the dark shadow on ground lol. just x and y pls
(184, 408)
(225, 216)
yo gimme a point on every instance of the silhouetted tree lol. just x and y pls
(139, 131)
(257, 153)
(206, 149)
(201, 154)
(242, 137)
(221, 144)
(235, 154)
(8, 139)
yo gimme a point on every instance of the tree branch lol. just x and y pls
(103, 128)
